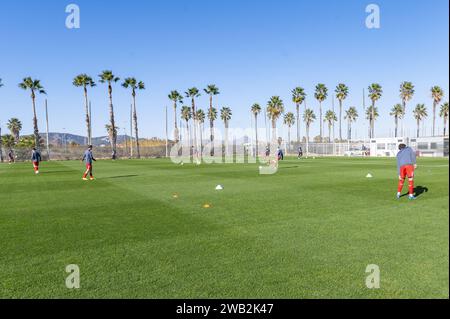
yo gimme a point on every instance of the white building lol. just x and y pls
(424, 146)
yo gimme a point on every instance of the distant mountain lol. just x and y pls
(63, 138)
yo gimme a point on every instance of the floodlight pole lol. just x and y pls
(46, 120)
(167, 135)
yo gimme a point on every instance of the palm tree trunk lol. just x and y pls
(113, 124)
(194, 119)
(274, 132)
(396, 126)
(136, 130)
(211, 125)
(321, 126)
(307, 139)
(226, 138)
(340, 120)
(35, 121)
(434, 118)
(298, 123)
(349, 130)
(176, 132)
(445, 126)
(289, 138)
(88, 119)
(329, 133)
(418, 128)
(373, 119)
(256, 135)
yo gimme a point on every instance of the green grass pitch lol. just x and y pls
(307, 232)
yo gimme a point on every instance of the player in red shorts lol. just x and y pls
(88, 157)
(406, 165)
(36, 159)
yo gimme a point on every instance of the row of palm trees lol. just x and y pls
(274, 111)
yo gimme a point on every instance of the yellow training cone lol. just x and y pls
(207, 206)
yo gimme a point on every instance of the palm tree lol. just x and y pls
(350, 115)
(275, 108)
(201, 120)
(330, 118)
(109, 78)
(225, 115)
(298, 97)
(193, 93)
(341, 94)
(186, 115)
(15, 126)
(321, 95)
(444, 114)
(211, 90)
(375, 93)
(398, 112)
(85, 81)
(372, 115)
(308, 118)
(256, 110)
(212, 116)
(35, 87)
(437, 94)
(134, 85)
(8, 141)
(289, 120)
(420, 113)
(406, 93)
(176, 98)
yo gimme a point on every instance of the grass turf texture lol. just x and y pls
(307, 232)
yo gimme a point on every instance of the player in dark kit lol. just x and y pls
(36, 159)
(406, 165)
(88, 158)
(300, 152)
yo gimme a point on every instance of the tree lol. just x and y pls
(212, 91)
(289, 120)
(176, 98)
(27, 142)
(212, 116)
(308, 118)
(186, 115)
(256, 110)
(372, 115)
(85, 81)
(298, 97)
(375, 93)
(444, 114)
(201, 120)
(225, 115)
(8, 141)
(406, 93)
(15, 126)
(330, 118)
(134, 85)
(194, 93)
(350, 115)
(321, 95)
(341, 94)
(109, 78)
(398, 113)
(35, 87)
(275, 108)
(420, 113)
(437, 93)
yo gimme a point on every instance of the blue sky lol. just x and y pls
(250, 49)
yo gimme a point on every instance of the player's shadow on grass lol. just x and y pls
(123, 176)
(419, 190)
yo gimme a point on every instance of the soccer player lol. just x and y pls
(36, 159)
(11, 156)
(88, 158)
(406, 164)
(300, 152)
